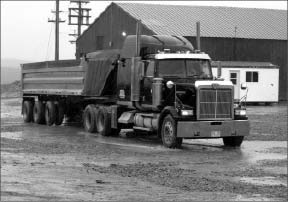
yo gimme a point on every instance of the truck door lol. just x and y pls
(146, 93)
(235, 79)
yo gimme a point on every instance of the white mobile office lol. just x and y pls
(262, 79)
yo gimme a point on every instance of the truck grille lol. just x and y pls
(215, 104)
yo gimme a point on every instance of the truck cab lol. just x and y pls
(171, 69)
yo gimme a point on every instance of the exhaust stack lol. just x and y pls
(198, 36)
(138, 38)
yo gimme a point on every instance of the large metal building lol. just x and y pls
(227, 34)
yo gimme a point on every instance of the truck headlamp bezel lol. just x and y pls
(187, 112)
(240, 112)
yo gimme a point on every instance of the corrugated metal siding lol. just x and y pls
(215, 21)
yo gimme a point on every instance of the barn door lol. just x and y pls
(235, 79)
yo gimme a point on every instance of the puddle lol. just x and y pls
(263, 181)
(269, 156)
(255, 151)
(12, 135)
(254, 197)
(10, 114)
(100, 164)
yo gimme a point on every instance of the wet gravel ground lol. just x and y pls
(65, 163)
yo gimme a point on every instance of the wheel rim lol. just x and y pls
(168, 132)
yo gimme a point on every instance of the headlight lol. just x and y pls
(187, 112)
(240, 112)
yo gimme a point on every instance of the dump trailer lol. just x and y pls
(161, 85)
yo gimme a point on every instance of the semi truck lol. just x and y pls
(159, 84)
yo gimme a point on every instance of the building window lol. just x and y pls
(233, 78)
(99, 42)
(251, 76)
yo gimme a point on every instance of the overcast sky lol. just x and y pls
(26, 34)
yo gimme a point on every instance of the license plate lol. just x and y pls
(215, 133)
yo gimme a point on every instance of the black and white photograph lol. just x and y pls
(144, 100)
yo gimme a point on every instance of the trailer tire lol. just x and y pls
(39, 112)
(50, 114)
(169, 133)
(59, 111)
(103, 122)
(89, 119)
(27, 111)
(233, 141)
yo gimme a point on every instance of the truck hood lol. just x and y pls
(197, 83)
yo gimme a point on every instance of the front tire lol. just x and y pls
(169, 134)
(233, 141)
(27, 111)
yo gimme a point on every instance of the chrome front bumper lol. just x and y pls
(212, 129)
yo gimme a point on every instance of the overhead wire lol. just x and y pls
(49, 37)
(49, 42)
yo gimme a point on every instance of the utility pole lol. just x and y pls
(56, 21)
(80, 14)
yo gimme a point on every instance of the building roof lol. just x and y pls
(244, 64)
(215, 21)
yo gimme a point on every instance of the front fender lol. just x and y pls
(167, 110)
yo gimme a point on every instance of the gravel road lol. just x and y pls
(65, 163)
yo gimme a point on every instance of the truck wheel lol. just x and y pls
(39, 112)
(27, 111)
(50, 113)
(103, 122)
(233, 141)
(89, 119)
(168, 133)
(115, 132)
(59, 111)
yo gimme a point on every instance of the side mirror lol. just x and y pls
(243, 86)
(121, 62)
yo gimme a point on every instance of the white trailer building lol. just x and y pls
(262, 79)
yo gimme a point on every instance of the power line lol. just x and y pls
(48, 43)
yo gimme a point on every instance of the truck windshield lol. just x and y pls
(184, 68)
